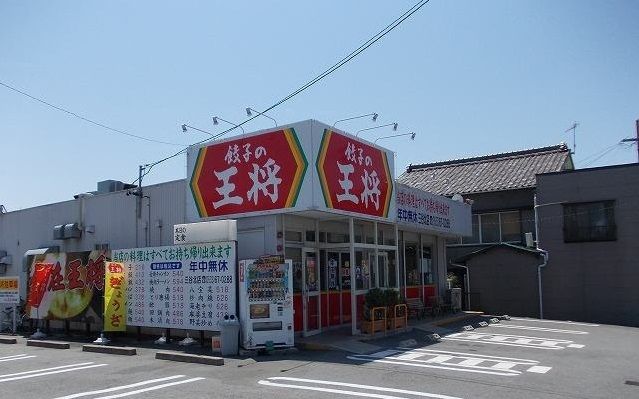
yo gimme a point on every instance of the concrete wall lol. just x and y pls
(506, 280)
(591, 281)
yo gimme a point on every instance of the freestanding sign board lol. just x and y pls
(298, 167)
(188, 287)
(10, 290)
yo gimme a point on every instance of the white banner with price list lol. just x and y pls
(189, 286)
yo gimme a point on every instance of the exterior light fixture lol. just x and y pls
(394, 125)
(373, 114)
(249, 112)
(186, 127)
(216, 120)
(411, 134)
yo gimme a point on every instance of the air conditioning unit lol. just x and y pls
(66, 231)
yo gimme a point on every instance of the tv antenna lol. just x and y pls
(574, 142)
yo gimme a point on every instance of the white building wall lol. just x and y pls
(111, 217)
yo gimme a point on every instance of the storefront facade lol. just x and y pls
(327, 201)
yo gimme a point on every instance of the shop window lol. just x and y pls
(362, 271)
(101, 247)
(293, 236)
(386, 235)
(310, 235)
(345, 271)
(510, 226)
(410, 260)
(392, 270)
(295, 255)
(337, 238)
(427, 265)
(590, 221)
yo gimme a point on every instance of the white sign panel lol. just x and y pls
(190, 233)
(10, 290)
(188, 287)
(430, 212)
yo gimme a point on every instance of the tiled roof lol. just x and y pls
(496, 172)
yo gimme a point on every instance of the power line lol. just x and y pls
(75, 115)
(387, 29)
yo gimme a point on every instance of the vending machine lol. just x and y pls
(266, 302)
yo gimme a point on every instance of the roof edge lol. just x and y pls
(553, 148)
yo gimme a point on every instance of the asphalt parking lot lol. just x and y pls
(517, 358)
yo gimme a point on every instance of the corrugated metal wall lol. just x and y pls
(111, 216)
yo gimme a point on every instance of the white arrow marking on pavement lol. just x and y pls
(556, 321)
(55, 370)
(515, 326)
(137, 384)
(513, 340)
(168, 384)
(15, 357)
(349, 385)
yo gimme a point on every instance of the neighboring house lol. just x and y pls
(502, 189)
(589, 224)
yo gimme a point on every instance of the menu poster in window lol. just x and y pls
(188, 287)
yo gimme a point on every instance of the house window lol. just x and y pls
(495, 227)
(490, 227)
(510, 226)
(590, 221)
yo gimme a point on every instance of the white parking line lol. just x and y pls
(168, 384)
(512, 340)
(15, 357)
(556, 321)
(48, 371)
(364, 388)
(518, 327)
(119, 388)
(454, 361)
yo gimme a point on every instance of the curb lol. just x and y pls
(5, 340)
(113, 350)
(463, 316)
(188, 358)
(48, 344)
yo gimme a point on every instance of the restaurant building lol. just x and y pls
(321, 197)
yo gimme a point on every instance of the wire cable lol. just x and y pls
(102, 125)
(387, 29)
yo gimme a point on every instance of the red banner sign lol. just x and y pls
(355, 176)
(250, 174)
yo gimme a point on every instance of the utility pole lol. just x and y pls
(635, 140)
(574, 142)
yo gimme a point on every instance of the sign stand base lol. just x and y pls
(187, 341)
(102, 340)
(162, 340)
(38, 335)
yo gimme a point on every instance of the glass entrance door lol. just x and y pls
(311, 292)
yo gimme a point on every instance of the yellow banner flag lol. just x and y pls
(114, 297)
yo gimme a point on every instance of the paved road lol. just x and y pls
(520, 358)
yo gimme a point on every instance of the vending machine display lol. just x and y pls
(266, 302)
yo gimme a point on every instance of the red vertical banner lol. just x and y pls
(114, 297)
(38, 283)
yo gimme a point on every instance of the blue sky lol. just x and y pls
(469, 77)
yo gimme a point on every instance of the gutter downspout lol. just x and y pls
(544, 254)
(467, 282)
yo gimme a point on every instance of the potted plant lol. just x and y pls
(374, 319)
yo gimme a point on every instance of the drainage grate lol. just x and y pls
(636, 383)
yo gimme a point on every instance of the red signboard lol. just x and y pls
(355, 176)
(250, 174)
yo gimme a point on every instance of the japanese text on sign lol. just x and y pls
(115, 297)
(10, 290)
(182, 286)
